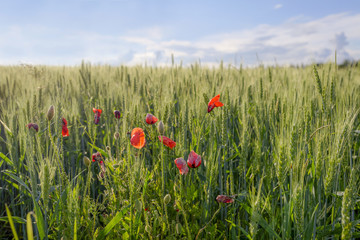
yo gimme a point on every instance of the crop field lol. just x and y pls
(275, 157)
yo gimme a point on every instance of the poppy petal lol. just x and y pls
(167, 142)
(224, 199)
(219, 104)
(214, 102)
(137, 138)
(194, 160)
(181, 165)
(151, 119)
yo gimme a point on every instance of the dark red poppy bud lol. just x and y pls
(33, 126)
(117, 114)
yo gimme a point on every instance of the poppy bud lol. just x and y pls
(178, 228)
(161, 128)
(138, 205)
(116, 135)
(148, 228)
(167, 199)
(33, 126)
(117, 114)
(50, 113)
(87, 161)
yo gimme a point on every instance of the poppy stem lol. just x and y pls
(202, 229)
(182, 207)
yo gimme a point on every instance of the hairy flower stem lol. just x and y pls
(59, 164)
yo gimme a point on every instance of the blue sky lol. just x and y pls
(138, 32)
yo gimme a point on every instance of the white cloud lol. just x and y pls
(298, 40)
(278, 6)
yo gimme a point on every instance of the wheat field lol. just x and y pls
(278, 161)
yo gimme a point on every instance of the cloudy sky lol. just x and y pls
(137, 32)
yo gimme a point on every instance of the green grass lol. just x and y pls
(285, 145)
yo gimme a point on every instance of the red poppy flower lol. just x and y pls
(224, 199)
(214, 102)
(167, 142)
(97, 157)
(151, 119)
(181, 165)
(65, 130)
(97, 115)
(33, 126)
(117, 114)
(194, 160)
(138, 138)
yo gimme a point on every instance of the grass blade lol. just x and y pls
(11, 222)
(112, 223)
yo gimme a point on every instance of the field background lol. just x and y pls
(285, 145)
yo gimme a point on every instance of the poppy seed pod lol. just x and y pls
(50, 113)
(87, 161)
(161, 128)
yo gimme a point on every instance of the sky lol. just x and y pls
(132, 32)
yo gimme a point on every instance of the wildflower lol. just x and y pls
(97, 115)
(50, 113)
(97, 157)
(167, 142)
(65, 130)
(151, 119)
(214, 102)
(138, 138)
(194, 160)
(33, 126)
(117, 114)
(224, 199)
(182, 166)
(161, 128)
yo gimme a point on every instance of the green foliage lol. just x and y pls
(284, 146)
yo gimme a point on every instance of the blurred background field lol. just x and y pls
(285, 146)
